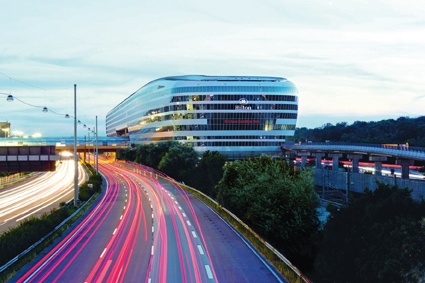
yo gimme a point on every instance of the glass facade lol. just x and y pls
(238, 116)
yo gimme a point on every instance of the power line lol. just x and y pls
(22, 82)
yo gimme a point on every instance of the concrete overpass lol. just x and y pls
(335, 184)
(41, 154)
(91, 148)
(376, 153)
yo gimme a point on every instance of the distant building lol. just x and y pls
(237, 116)
(5, 129)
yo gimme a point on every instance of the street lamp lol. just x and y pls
(11, 98)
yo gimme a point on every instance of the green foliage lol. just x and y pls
(128, 154)
(379, 237)
(152, 154)
(89, 188)
(398, 131)
(208, 172)
(275, 202)
(17, 239)
(179, 162)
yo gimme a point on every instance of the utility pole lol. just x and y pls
(75, 149)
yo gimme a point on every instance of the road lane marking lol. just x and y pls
(152, 251)
(209, 272)
(103, 253)
(115, 231)
(201, 250)
(194, 234)
(188, 223)
(184, 214)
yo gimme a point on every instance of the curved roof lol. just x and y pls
(222, 78)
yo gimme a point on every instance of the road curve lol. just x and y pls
(144, 229)
(38, 195)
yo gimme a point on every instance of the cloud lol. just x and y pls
(355, 58)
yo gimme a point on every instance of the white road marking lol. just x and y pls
(201, 250)
(103, 253)
(209, 272)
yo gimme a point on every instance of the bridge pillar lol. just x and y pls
(355, 160)
(319, 156)
(335, 160)
(405, 163)
(303, 155)
(378, 163)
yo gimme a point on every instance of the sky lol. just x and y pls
(351, 60)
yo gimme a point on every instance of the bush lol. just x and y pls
(89, 188)
(19, 238)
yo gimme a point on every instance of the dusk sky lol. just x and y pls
(350, 60)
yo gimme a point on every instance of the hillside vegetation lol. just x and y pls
(400, 131)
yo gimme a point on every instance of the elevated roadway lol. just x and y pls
(104, 144)
(401, 151)
(404, 154)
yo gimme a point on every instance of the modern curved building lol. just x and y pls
(237, 116)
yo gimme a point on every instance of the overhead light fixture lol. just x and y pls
(45, 109)
(10, 98)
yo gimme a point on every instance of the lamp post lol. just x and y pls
(97, 151)
(75, 149)
(88, 141)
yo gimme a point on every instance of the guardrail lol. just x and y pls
(29, 249)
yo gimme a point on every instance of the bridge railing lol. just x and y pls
(398, 150)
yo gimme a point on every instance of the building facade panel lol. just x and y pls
(234, 115)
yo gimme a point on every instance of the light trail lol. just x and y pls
(141, 230)
(38, 194)
(175, 251)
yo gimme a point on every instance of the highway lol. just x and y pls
(144, 229)
(38, 194)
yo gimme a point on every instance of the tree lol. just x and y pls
(399, 131)
(127, 154)
(179, 161)
(275, 202)
(208, 172)
(377, 238)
